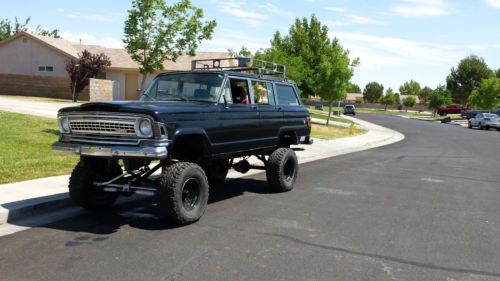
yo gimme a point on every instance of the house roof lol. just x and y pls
(120, 59)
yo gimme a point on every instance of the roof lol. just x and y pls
(354, 96)
(120, 59)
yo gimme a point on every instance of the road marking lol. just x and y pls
(431, 180)
(334, 191)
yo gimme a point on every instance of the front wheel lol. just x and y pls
(82, 188)
(183, 193)
(282, 169)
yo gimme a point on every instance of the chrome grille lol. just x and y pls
(103, 127)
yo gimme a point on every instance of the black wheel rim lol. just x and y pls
(289, 169)
(191, 194)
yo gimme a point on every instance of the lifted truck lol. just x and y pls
(196, 124)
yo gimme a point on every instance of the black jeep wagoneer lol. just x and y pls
(198, 124)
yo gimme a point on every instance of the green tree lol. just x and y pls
(409, 101)
(411, 88)
(439, 97)
(156, 32)
(424, 94)
(498, 73)
(487, 95)
(373, 91)
(244, 52)
(388, 99)
(7, 29)
(301, 50)
(353, 88)
(336, 69)
(466, 77)
(87, 66)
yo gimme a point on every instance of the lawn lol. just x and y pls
(25, 148)
(374, 111)
(333, 132)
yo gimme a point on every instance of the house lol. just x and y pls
(354, 98)
(34, 65)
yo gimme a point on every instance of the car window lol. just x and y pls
(286, 95)
(202, 87)
(239, 91)
(263, 92)
(226, 93)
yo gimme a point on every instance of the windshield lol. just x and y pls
(202, 87)
(493, 116)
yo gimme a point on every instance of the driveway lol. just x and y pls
(39, 108)
(425, 208)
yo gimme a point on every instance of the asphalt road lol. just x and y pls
(426, 208)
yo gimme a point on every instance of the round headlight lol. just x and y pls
(145, 128)
(64, 125)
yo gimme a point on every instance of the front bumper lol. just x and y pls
(111, 151)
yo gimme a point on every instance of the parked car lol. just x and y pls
(349, 109)
(451, 109)
(472, 113)
(197, 125)
(485, 121)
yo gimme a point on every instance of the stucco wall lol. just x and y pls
(118, 77)
(23, 56)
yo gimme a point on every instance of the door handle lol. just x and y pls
(253, 107)
(279, 108)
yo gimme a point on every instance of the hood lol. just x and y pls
(149, 107)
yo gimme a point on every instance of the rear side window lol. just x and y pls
(263, 92)
(286, 95)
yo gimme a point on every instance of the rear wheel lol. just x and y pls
(282, 169)
(82, 188)
(183, 193)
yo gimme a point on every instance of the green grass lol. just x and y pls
(332, 118)
(25, 148)
(333, 132)
(369, 110)
(38, 99)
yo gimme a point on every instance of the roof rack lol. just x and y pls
(240, 64)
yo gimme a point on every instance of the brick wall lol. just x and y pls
(101, 90)
(38, 86)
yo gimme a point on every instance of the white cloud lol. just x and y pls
(275, 10)
(350, 17)
(231, 39)
(375, 51)
(422, 8)
(493, 3)
(87, 17)
(89, 39)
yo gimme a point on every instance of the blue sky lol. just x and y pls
(396, 40)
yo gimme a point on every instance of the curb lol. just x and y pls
(18, 210)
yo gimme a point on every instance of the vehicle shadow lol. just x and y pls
(144, 212)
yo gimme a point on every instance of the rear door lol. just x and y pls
(270, 117)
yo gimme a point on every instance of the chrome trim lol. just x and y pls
(108, 127)
(111, 151)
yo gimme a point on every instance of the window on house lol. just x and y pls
(45, 68)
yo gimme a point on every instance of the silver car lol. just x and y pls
(485, 121)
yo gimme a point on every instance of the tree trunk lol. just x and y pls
(329, 113)
(74, 92)
(385, 107)
(144, 76)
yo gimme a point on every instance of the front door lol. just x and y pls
(239, 118)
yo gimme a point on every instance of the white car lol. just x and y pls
(485, 121)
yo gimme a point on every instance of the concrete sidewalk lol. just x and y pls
(39, 108)
(24, 199)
